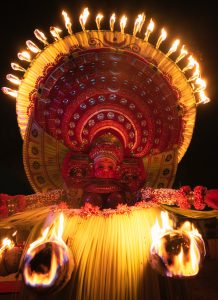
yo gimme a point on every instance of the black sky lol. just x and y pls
(195, 23)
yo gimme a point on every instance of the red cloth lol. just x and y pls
(212, 198)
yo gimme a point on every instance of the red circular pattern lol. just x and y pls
(90, 91)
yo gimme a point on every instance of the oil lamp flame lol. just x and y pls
(173, 48)
(13, 79)
(98, 20)
(83, 18)
(138, 23)
(40, 36)
(10, 92)
(179, 250)
(24, 55)
(55, 32)
(48, 263)
(123, 22)
(161, 38)
(68, 23)
(182, 54)
(112, 21)
(32, 46)
(17, 67)
(149, 30)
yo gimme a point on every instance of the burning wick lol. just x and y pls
(83, 18)
(161, 38)
(98, 20)
(176, 252)
(48, 263)
(149, 30)
(112, 21)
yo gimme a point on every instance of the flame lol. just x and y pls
(68, 23)
(83, 18)
(6, 244)
(183, 53)
(182, 264)
(149, 30)
(161, 38)
(98, 19)
(59, 256)
(24, 55)
(55, 32)
(13, 79)
(123, 22)
(138, 23)
(203, 98)
(112, 21)
(32, 46)
(191, 64)
(17, 67)
(201, 85)
(173, 47)
(40, 36)
(10, 92)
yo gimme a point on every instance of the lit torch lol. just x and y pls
(203, 98)
(149, 30)
(123, 22)
(182, 54)
(83, 18)
(48, 263)
(98, 20)
(13, 79)
(161, 38)
(138, 23)
(17, 67)
(68, 23)
(40, 36)
(191, 64)
(173, 48)
(201, 85)
(10, 92)
(32, 46)
(10, 255)
(112, 21)
(55, 32)
(176, 252)
(24, 55)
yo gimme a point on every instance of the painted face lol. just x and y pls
(105, 167)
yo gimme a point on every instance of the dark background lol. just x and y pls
(195, 23)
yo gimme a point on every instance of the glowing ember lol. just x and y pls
(83, 18)
(161, 38)
(173, 47)
(112, 21)
(68, 23)
(138, 23)
(182, 54)
(176, 252)
(17, 67)
(13, 79)
(24, 56)
(98, 20)
(40, 36)
(123, 22)
(9, 91)
(48, 263)
(32, 47)
(55, 32)
(149, 30)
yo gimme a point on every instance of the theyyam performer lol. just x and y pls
(105, 117)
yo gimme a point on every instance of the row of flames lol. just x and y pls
(197, 83)
(48, 262)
